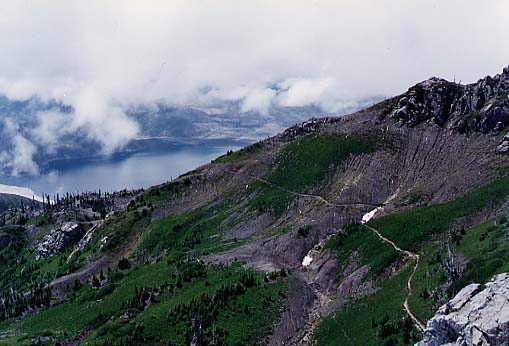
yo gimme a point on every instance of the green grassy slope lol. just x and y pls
(425, 230)
(410, 229)
(155, 301)
(150, 305)
(375, 320)
(303, 164)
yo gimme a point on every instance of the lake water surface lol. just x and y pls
(139, 170)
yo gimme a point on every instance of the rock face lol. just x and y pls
(481, 106)
(59, 239)
(478, 315)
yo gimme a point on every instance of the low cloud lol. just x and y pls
(102, 121)
(51, 126)
(23, 156)
(331, 54)
(20, 158)
(302, 92)
(258, 100)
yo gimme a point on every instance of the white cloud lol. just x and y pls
(144, 51)
(302, 92)
(258, 100)
(51, 126)
(22, 160)
(102, 120)
(103, 56)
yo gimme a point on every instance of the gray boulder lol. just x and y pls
(503, 147)
(477, 315)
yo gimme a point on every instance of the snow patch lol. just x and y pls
(307, 260)
(368, 216)
(314, 252)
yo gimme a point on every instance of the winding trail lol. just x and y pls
(365, 219)
(307, 195)
(412, 256)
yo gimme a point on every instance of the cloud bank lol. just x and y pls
(100, 57)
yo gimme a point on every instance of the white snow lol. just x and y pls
(20, 191)
(307, 260)
(368, 216)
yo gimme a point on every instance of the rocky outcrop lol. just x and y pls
(482, 106)
(59, 239)
(503, 148)
(478, 315)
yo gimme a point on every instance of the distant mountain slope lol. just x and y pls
(347, 230)
(8, 201)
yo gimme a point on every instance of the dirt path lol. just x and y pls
(412, 256)
(406, 253)
(307, 195)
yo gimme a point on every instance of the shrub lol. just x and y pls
(124, 264)
(304, 231)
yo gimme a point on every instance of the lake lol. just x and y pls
(122, 171)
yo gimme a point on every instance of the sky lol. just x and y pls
(102, 57)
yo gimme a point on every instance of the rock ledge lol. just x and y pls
(477, 315)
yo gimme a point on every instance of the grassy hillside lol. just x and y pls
(133, 300)
(432, 232)
(411, 228)
(304, 164)
(375, 320)
(151, 304)
(154, 296)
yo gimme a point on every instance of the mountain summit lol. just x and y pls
(482, 106)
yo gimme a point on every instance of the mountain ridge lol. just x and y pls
(241, 226)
